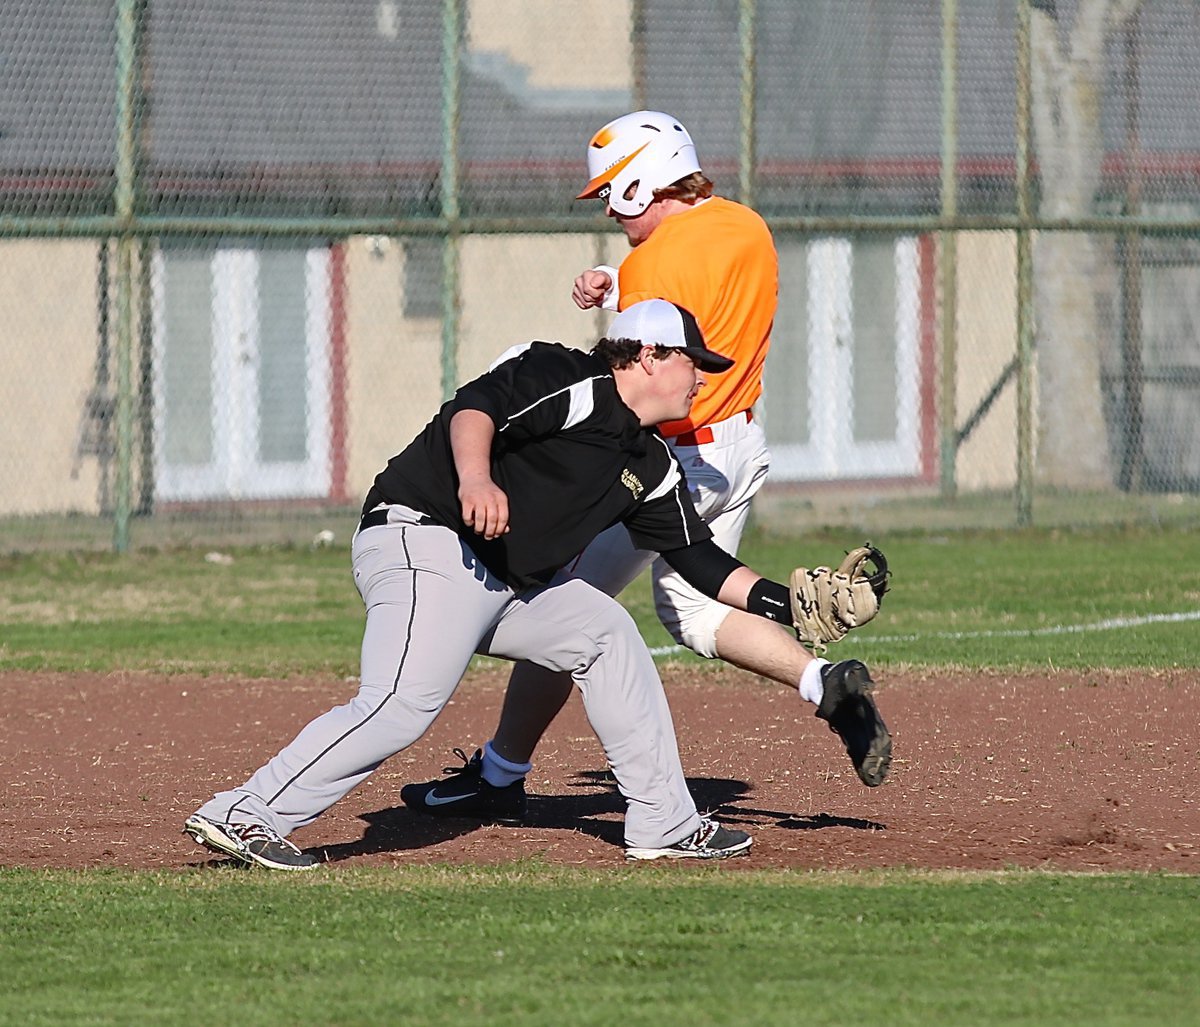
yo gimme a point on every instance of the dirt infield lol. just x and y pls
(1067, 771)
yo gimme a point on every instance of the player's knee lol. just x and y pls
(695, 625)
(613, 621)
(608, 626)
(410, 707)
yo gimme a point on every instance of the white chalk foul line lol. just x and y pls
(1112, 624)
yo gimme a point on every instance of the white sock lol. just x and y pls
(812, 687)
(499, 772)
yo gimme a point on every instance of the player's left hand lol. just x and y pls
(826, 604)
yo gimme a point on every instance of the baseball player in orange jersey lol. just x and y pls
(715, 258)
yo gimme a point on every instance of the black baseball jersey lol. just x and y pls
(569, 454)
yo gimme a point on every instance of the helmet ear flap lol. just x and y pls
(629, 196)
(634, 198)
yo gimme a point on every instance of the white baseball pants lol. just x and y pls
(430, 605)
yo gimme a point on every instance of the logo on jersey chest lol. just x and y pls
(631, 482)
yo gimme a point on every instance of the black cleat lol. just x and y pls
(848, 707)
(465, 793)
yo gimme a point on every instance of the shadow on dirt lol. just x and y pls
(596, 812)
(816, 821)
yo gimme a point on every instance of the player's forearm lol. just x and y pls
(736, 589)
(484, 504)
(746, 589)
(709, 569)
(471, 435)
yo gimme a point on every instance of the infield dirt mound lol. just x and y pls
(1074, 771)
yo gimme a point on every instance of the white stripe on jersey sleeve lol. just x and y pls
(670, 479)
(583, 402)
(673, 481)
(579, 408)
(508, 354)
(687, 532)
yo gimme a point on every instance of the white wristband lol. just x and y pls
(613, 295)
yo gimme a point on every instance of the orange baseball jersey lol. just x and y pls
(718, 260)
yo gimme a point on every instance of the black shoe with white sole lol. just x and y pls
(710, 841)
(464, 792)
(850, 711)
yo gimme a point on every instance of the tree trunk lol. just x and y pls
(1071, 270)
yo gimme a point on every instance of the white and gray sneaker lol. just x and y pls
(251, 843)
(711, 841)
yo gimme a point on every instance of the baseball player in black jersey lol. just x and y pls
(459, 550)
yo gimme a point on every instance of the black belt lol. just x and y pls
(373, 519)
(378, 518)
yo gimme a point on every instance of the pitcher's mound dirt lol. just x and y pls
(1072, 771)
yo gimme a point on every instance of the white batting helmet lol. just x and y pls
(647, 147)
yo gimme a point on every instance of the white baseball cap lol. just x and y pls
(660, 323)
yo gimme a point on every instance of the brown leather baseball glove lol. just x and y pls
(827, 603)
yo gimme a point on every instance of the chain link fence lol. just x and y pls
(248, 249)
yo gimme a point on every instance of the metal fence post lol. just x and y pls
(747, 12)
(452, 31)
(123, 201)
(948, 251)
(1024, 271)
(1129, 246)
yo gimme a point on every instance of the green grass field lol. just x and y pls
(543, 944)
(979, 599)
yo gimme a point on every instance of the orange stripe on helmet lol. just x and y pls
(602, 138)
(602, 179)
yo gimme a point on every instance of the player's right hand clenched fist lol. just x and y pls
(484, 506)
(590, 288)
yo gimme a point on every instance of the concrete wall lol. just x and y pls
(48, 296)
(598, 59)
(987, 341)
(514, 288)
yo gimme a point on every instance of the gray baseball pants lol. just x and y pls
(430, 605)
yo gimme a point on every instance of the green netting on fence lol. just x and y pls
(248, 249)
